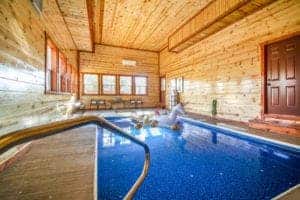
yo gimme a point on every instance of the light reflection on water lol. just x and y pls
(195, 162)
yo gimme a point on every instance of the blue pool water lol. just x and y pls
(194, 163)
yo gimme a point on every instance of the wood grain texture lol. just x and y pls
(56, 167)
(211, 19)
(144, 24)
(98, 20)
(108, 60)
(22, 59)
(227, 65)
(75, 13)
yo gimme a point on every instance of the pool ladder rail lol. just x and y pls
(17, 137)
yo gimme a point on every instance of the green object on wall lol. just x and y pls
(214, 107)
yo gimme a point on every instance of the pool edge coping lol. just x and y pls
(288, 191)
(266, 139)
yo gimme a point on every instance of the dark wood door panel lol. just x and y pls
(275, 96)
(274, 68)
(291, 96)
(283, 77)
(291, 67)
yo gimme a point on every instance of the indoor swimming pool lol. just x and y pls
(197, 162)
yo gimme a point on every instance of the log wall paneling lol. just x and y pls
(22, 62)
(143, 24)
(227, 65)
(108, 60)
(214, 17)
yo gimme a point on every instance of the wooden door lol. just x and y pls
(283, 77)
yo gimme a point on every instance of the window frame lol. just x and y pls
(74, 80)
(99, 87)
(173, 80)
(119, 85)
(69, 78)
(179, 84)
(58, 52)
(51, 90)
(62, 72)
(147, 85)
(163, 83)
(116, 85)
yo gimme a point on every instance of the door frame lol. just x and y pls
(160, 95)
(264, 90)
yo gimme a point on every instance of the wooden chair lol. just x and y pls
(93, 103)
(97, 103)
(117, 101)
(132, 103)
(101, 102)
(139, 103)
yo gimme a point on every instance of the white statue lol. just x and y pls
(72, 105)
(171, 119)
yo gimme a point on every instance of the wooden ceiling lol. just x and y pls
(215, 16)
(137, 24)
(141, 24)
(54, 21)
(75, 14)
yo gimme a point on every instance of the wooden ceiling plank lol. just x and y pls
(98, 20)
(213, 18)
(145, 25)
(76, 16)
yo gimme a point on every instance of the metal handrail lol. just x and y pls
(17, 137)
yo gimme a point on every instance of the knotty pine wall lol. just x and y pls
(108, 60)
(227, 65)
(22, 62)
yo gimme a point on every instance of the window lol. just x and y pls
(108, 84)
(173, 85)
(69, 77)
(73, 80)
(179, 84)
(59, 75)
(125, 85)
(51, 67)
(62, 72)
(90, 83)
(114, 84)
(140, 83)
(162, 84)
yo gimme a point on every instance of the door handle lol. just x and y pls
(268, 84)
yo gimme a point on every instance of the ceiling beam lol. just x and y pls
(98, 20)
(214, 17)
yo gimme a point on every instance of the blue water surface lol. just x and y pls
(194, 163)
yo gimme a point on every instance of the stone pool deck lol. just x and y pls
(56, 167)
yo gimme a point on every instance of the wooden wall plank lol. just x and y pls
(108, 60)
(227, 65)
(22, 60)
